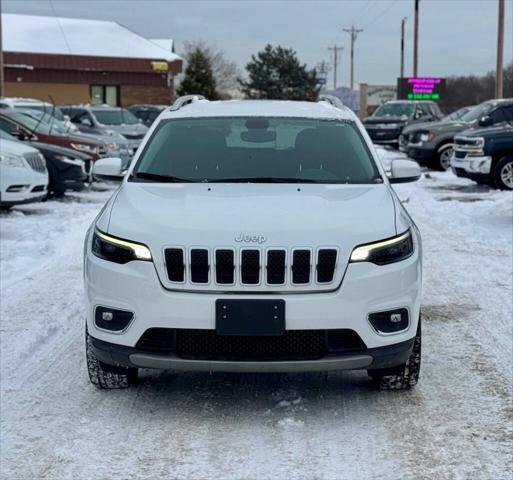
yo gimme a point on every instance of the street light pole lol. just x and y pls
(499, 74)
(403, 21)
(416, 40)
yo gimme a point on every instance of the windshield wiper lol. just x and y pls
(262, 180)
(155, 177)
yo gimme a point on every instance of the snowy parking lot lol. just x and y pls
(456, 424)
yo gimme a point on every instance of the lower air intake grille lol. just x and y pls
(201, 344)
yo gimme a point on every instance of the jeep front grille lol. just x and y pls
(220, 268)
(36, 162)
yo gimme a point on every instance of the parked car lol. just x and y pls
(387, 122)
(33, 104)
(113, 146)
(485, 155)
(106, 120)
(26, 128)
(257, 236)
(456, 115)
(67, 168)
(147, 113)
(432, 144)
(23, 174)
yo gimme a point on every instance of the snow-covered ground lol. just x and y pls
(456, 424)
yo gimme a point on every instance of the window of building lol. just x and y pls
(105, 94)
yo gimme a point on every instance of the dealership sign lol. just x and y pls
(379, 94)
(420, 88)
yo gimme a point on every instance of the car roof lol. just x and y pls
(260, 108)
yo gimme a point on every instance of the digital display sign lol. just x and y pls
(420, 88)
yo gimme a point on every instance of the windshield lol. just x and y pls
(49, 109)
(394, 110)
(259, 149)
(457, 114)
(477, 112)
(115, 117)
(38, 125)
(52, 125)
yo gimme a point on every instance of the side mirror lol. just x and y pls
(404, 171)
(485, 121)
(109, 169)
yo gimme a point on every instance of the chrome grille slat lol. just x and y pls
(36, 162)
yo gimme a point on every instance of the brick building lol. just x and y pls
(71, 60)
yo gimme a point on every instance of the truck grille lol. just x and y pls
(36, 161)
(250, 267)
(200, 344)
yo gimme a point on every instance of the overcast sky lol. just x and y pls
(456, 36)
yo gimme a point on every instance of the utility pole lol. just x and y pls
(403, 21)
(323, 68)
(499, 74)
(416, 40)
(336, 50)
(1, 56)
(354, 33)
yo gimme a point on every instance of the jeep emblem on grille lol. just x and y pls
(243, 237)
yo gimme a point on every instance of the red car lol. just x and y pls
(28, 129)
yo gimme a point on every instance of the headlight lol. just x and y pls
(117, 250)
(426, 137)
(84, 147)
(8, 160)
(112, 146)
(386, 251)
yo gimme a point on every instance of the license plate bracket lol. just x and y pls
(243, 317)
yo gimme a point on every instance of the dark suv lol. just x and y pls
(485, 155)
(147, 113)
(387, 122)
(432, 144)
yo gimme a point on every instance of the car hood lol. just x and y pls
(137, 129)
(15, 147)
(453, 126)
(46, 148)
(286, 215)
(486, 131)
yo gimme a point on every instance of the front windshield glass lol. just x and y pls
(267, 150)
(39, 125)
(115, 117)
(394, 110)
(477, 112)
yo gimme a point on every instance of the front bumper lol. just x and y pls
(420, 153)
(35, 186)
(381, 357)
(480, 165)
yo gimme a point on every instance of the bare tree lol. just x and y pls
(226, 72)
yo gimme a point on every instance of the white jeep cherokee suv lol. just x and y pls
(254, 236)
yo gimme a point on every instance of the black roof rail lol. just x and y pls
(185, 100)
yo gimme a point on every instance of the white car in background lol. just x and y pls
(23, 174)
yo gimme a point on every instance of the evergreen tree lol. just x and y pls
(275, 73)
(199, 78)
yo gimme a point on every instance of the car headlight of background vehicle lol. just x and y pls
(118, 250)
(386, 251)
(84, 147)
(426, 137)
(9, 160)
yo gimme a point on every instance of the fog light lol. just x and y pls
(391, 321)
(112, 319)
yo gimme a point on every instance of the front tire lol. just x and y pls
(404, 376)
(503, 173)
(105, 376)
(442, 158)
